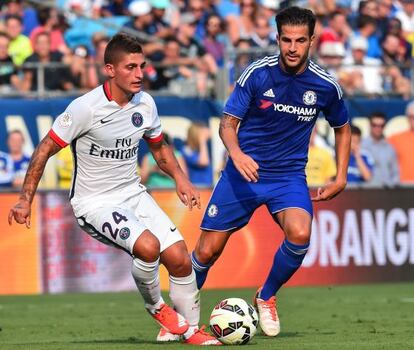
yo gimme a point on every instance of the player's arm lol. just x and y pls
(342, 151)
(246, 166)
(167, 162)
(21, 210)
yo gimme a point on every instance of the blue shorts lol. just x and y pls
(234, 200)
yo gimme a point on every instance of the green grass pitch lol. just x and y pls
(379, 316)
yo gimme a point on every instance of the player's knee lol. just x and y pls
(181, 266)
(300, 235)
(147, 247)
(206, 254)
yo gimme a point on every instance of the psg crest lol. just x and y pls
(137, 119)
(309, 98)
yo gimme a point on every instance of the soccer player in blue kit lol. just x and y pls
(266, 128)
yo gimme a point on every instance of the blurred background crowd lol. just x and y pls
(199, 48)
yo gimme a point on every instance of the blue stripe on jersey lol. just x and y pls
(271, 61)
(325, 75)
(75, 172)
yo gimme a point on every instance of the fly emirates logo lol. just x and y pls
(304, 114)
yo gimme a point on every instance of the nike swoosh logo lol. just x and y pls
(105, 121)
(173, 229)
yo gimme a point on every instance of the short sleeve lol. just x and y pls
(73, 122)
(336, 112)
(240, 99)
(154, 133)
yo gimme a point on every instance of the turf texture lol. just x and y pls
(378, 316)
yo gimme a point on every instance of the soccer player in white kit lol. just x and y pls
(104, 127)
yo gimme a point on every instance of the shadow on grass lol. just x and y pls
(130, 340)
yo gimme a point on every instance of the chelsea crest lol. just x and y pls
(309, 98)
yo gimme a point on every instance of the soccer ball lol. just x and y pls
(233, 321)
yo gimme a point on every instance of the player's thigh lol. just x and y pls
(231, 204)
(115, 226)
(155, 219)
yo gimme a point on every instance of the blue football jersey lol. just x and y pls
(278, 111)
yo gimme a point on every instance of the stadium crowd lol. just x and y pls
(366, 45)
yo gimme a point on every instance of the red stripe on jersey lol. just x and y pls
(159, 138)
(107, 91)
(57, 139)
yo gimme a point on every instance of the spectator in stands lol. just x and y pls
(152, 176)
(261, 36)
(338, 29)
(361, 74)
(142, 18)
(196, 155)
(115, 8)
(78, 62)
(8, 72)
(394, 27)
(385, 172)
(49, 21)
(6, 170)
(331, 55)
(95, 65)
(15, 143)
(201, 11)
(361, 163)
(406, 15)
(268, 9)
(394, 83)
(181, 75)
(394, 52)
(367, 28)
(64, 168)
(240, 62)
(55, 78)
(87, 8)
(321, 167)
(214, 42)
(164, 29)
(385, 8)
(20, 47)
(242, 26)
(403, 144)
(27, 13)
(192, 48)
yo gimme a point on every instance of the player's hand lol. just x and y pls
(187, 193)
(246, 166)
(21, 213)
(329, 191)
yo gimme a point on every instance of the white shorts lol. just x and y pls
(121, 225)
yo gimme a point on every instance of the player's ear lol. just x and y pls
(312, 39)
(110, 70)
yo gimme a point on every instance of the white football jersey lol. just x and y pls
(104, 139)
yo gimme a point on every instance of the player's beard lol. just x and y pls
(299, 67)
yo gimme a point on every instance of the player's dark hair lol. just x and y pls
(355, 130)
(121, 43)
(296, 16)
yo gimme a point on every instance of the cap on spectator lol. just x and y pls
(139, 8)
(160, 4)
(270, 4)
(332, 49)
(188, 18)
(359, 43)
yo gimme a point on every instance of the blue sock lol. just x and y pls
(200, 269)
(287, 260)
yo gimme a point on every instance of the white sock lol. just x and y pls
(185, 296)
(147, 278)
